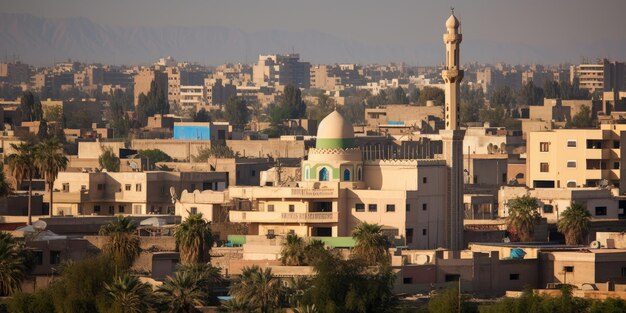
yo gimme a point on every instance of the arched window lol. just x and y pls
(307, 173)
(346, 175)
(359, 174)
(323, 174)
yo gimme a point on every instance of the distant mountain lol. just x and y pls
(39, 40)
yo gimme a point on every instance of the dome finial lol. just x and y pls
(452, 10)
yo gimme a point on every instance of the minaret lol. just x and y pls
(452, 137)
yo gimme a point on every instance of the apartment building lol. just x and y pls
(218, 91)
(603, 75)
(136, 193)
(192, 97)
(144, 78)
(574, 157)
(281, 70)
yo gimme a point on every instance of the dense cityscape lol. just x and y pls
(284, 185)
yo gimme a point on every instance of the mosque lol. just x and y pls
(418, 202)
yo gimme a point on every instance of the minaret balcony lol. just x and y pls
(452, 38)
(452, 75)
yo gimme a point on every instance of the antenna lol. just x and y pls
(452, 9)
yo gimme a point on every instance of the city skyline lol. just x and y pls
(369, 32)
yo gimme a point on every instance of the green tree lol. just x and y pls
(155, 156)
(194, 240)
(155, 102)
(325, 105)
(181, 293)
(574, 224)
(12, 265)
(236, 112)
(353, 110)
(610, 305)
(398, 96)
(314, 251)
(552, 89)
(122, 242)
(292, 252)
(40, 301)
(235, 305)
(259, 286)
(472, 101)
(108, 160)
(209, 277)
(202, 116)
(432, 93)
(30, 107)
(372, 246)
(215, 151)
(447, 300)
(5, 188)
(582, 119)
(523, 216)
(292, 101)
(22, 167)
(128, 295)
(502, 97)
(50, 160)
(530, 95)
(573, 91)
(119, 103)
(494, 116)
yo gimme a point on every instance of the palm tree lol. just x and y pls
(314, 251)
(372, 246)
(208, 277)
(259, 287)
(50, 160)
(574, 224)
(194, 239)
(22, 167)
(523, 216)
(122, 242)
(292, 252)
(295, 288)
(181, 293)
(235, 305)
(5, 188)
(129, 295)
(12, 268)
(306, 309)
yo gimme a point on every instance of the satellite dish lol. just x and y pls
(40, 225)
(133, 165)
(603, 183)
(595, 245)
(173, 194)
(422, 259)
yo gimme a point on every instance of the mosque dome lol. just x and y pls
(335, 132)
(452, 22)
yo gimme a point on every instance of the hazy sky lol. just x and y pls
(539, 23)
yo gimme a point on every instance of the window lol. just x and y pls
(96, 208)
(253, 173)
(544, 146)
(194, 210)
(504, 177)
(616, 165)
(424, 231)
(111, 209)
(548, 208)
(270, 208)
(568, 269)
(100, 186)
(513, 276)
(600, 211)
(83, 187)
(346, 175)
(391, 207)
(121, 208)
(372, 208)
(292, 208)
(571, 164)
(571, 143)
(137, 187)
(544, 167)
(424, 180)
(127, 187)
(307, 173)
(323, 175)
(38, 258)
(66, 187)
(616, 144)
(55, 257)
(409, 236)
(571, 184)
(408, 207)
(359, 175)
(359, 207)
(424, 206)
(623, 271)
(407, 280)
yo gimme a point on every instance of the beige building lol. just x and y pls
(133, 193)
(193, 97)
(143, 80)
(574, 157)
(603, 75)
(601, 203)
(426, 118)
(281, 70)
(338, 191)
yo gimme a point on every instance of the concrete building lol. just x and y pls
(143, 80)
(281, 70)
(14, 73)
(601, 76)
(192, 97)
(338, 190)
(136, 193)
(425, 118)
(201, 131)
(218, 91)
(574, 157)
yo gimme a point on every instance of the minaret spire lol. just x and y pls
(452, 136)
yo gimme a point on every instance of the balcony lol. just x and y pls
(68, 197)
(282, 192)
(279, 217)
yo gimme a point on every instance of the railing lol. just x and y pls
(301, 192)
(278, 217)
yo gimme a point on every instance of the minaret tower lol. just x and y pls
(452, 137)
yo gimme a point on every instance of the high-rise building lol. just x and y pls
(601, 76)
(144, 79)
(452, 136)
(281, 70)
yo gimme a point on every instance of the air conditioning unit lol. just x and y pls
(595, 245)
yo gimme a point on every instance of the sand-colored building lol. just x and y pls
(574, 157)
